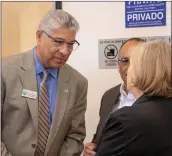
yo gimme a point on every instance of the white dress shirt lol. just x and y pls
(124, 98)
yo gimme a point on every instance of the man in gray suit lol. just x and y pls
(116, 97)
(44, 99)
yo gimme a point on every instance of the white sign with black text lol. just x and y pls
(109, 50)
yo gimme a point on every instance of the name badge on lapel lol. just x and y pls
(29, 94)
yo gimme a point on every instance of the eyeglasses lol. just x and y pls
(123, 60)
(61, 42)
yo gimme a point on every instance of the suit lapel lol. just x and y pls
(28, 79)
(110, 104)
(113, 104)
(112, 101)
(63, 93)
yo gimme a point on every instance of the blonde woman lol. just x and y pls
(145, 128)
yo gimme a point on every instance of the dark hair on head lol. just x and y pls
(132, 39)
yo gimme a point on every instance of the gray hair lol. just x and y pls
(58, 19)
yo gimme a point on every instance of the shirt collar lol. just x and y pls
(40, 68)
(124, 94)
(122, 91)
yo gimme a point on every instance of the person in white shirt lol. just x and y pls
(116, 97)
(126, 98)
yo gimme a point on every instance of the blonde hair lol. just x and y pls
(151, 63)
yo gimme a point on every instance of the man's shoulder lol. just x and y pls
(112, 91)
(14, 60)
(12, 64)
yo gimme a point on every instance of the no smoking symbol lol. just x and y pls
(111, 51)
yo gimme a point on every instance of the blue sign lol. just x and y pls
(145, 13)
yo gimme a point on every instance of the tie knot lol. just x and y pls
(45, 75)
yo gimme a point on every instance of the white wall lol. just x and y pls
(102, 20)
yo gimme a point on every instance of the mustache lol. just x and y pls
(58, 55)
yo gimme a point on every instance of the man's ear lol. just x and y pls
(38, 35)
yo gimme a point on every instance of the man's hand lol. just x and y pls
(89, 149)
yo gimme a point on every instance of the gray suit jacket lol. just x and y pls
(109, 102)
(19, 115)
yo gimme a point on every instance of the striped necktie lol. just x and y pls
(43, 118)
